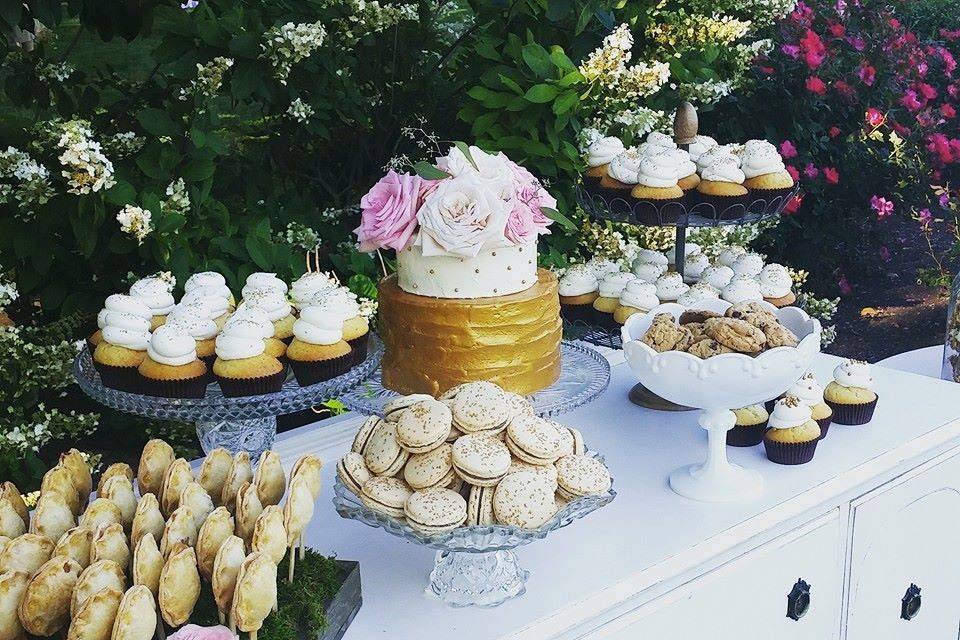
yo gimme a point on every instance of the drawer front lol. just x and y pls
(749, 597)
(904, 540)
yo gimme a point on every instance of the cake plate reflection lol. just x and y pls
(584, 375)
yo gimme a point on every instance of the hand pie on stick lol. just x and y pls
(179, 586)
(216, 528)
(136, 616)
(255, 593)
(214, 471)
(13, 586)
(45, 607)
(25, 554)
(226, 566)
(156, 458)
(297, 513)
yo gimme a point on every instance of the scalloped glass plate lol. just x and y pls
(584, 375)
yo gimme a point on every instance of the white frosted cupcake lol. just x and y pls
(717, 276)
(601, 267)
(172, 368)
(696, 294)
(277, 309)
(318, 351)
(305, 288)
(242, 367)
(637, 297)
(578, 288)
(194, 319)
(156, 293)
(694, 266)
(648, 271)
(609, 297)
(776, 285)
(748, 264)
(599, 154)
(699, 146)
(261, 280)
(670, 286)
(622, 174)
(118, 303)
(730, 255)
(657, 143)
(216, 298)
(742, 289)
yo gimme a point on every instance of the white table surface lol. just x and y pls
(926, 361)
(647, 533)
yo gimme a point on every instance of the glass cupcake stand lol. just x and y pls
(474, 566)
(246, 423)
(716, 386)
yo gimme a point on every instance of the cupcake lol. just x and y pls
(244, 315)
(123, 347)
(608, 299)
(637, 297)
(343, 303)
(793, 434)
(155, 292)
(194, 319)
(810, 393)
(318, 351)
(275, 307)
(689, 249)
(242, 367)
(656, 189)
(600, 153)
(766, 175)
(578, 289)
(657, 143)
(748, 264)
(670, 286)
(261, 280)
(648, 271)
(699, 146)
(694, 266)
(172, 368)
(717, 276)
(687, 176)
(742, 289)
(211, 279)
(215, 298)
(118, 303)
(620, 179)
(750, 426)
(305, 288)
(721, 185)
(776, 285)
(602, 267)
(696, 294)
(714, 155)
(729, 256)
(850, 395)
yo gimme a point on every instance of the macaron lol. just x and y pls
(524, 499)
(479, 408)
(454, 434)
(534, 440)
(353, 472)
(579, 476)
(517, 404)
(547, 471)
(424, 426)
(480, 460)
(480, 506)
(393, 409)
(452, 392)
(382, 454)
(572, 440)
(363, 434)
(386, 495)
(431, 469)
(436, 510)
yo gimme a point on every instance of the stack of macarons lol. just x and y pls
(315, 325)
(477, 456)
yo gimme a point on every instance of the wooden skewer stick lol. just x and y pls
(253, 635)
(160, 634)
(303, 549)
(293, 559)
(223, 618)
(231, 623)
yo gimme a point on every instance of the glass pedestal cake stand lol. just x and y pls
(474, 566)
(584, 375)
(247, 423)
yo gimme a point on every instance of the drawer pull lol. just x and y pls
(798, 600)
(910, 605)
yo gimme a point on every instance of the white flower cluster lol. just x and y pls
(286, 45)
(85, 167)
(300, 236)
(368, 307)
(54, 71)
(640, 121)
(209, 79)
(178, 200)
(300, 110)
(135, 221)
(8, 292)
(29, 181)
(121, 145)
(45, 424)
(369, 16)
(706, 92)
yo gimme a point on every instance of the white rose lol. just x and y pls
(462, 216)
(492, 170)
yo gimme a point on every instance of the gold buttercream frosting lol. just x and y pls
(433, 344)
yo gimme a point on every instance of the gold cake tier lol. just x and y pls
(433, 344)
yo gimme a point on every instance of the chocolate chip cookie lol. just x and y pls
(738, 335)
(692, 316)
(707, 348)
(779, 336)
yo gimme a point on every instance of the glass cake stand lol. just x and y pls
(474, 566)
(246, 423)
(584, 375)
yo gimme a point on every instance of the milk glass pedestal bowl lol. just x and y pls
(474, 566)
(716, 386)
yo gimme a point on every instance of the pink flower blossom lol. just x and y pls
(938, 144)
(911, 101)
(948, 111)
(944, 200)
(793, 206)
(875, 117)
(837, 30)
(925, 217)
(844, 88)
(834, 131)
(788, 150)
(844, 285)
(527, 219)
(949, 62)
(927, 91)
(867, 74)
(790, 50)
(814, 51)
(816, 85)
(794, 173)
(811, 171)
(858, 43)
(195, 632)
(831, 175)
(953, 90)
(389, 212)
(882, 207)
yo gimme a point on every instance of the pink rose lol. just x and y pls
(195, 632)
(788, 150)
(816, 85)
(389, 212)
(527, 220)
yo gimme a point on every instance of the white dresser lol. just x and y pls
(860, 544)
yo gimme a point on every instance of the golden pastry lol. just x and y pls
(147, 563)
(45, 607)
(59, 479)
(196, 498)
(177, 477)
(226, 566)
(156, 458)
(52, 516)
(269, 479)
(309, 466)
(119, 490)
(94, 620)
(214, 472)
(13, 586)
(269, 534)
(110, 543)
(25, 554)
(256, 592)
(218, 526)
(181, 528)
(147, 519)
(136, 616)
(247, 511)
(240, 472)
(179, 586)
(75, 544)
(101, 511)
(11, 524)
(101, 575)
(116, 469)
(10, 494)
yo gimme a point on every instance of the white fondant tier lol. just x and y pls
(495, 272)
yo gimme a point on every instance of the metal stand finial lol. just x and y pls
(685, 124)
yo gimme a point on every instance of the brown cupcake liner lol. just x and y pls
(119, 378)
(358, 348)
(239, 387)
(746, 436)
(825, 425)
(183, 388)
(721, 205)
(666, 211)
(314, 371)
(790, 453)
(853, 414)
(767, 195)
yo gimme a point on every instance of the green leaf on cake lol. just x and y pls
(426, 170)
(556, 216)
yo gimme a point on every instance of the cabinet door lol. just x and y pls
(905, 558)
(750, 597)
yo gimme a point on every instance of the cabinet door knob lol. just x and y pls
(798, 600)
(910, 604)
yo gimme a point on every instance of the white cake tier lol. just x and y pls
(495, 272)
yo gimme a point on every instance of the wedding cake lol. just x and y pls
(467, 301)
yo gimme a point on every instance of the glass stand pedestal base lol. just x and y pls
(462, 579)
(253, 436)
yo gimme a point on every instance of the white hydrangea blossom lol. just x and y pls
(135, 221)
(55, 71)
(8, 292)
(209, 78)
(29, 181)
(369, 16)
(178, 200)
(86, 168)
(368, 308)
(301, 236)
(286, 45)
(123, 144)
(640, 121)
(300, 110)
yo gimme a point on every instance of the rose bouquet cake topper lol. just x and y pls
(468, 202)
